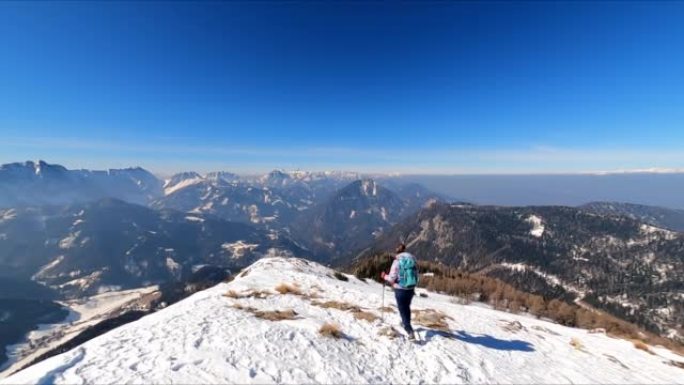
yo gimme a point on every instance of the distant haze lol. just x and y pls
(665, 190)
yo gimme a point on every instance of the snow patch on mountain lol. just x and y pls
(7, 215)
(551, 279)
(369, 187)
(182, 184)
(83, 282)
(650, 230)
(46, 268)
(537, 226)
(69, 241)
(174, 267)
(238, 249)
(212, 338)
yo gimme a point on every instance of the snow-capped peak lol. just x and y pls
(265, 327)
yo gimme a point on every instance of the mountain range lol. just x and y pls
(39, 183)
(70, 234)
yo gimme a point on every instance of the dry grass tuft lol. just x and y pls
(364, 315)
(615, 360)
(546, 330)
(276, 315)
(386, 309)
(576, 343)
(243, 307)
(676, 364)
(331, 330)
(512, 326)
(285, 288)
(250, 294)
(388, 331)
(431, 318)
(271, 315)
(345, 306)
(336, 305)
(261, 294)
(341, 276)
(317, 288)
(311, 295)
(642, 346)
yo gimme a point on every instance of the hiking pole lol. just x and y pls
(382, 309)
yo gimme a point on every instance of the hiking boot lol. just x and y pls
(411, 337)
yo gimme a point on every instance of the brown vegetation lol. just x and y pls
(345, 306)
(341, 276)
(545, 330)
(286, 288)
(388, 331)
(276, 315)
(271, 315)
(431, 318)
(642, 346)
(576, 343)
(512, 326)
(243, 307)
(336, 305)
(364, 315)
(249, 294)
(331, 330)
(677, 364)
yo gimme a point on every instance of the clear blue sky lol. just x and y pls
(449, 87)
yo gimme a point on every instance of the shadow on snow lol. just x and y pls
(483, 340)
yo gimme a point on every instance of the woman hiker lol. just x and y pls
(403, 277)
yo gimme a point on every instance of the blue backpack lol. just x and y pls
(408, 272)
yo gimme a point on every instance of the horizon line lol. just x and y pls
(361, 174)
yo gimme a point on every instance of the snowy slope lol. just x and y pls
(204, 339)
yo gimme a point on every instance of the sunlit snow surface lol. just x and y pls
(203, 339)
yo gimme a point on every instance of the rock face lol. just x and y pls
(630, 269)
(328, 330)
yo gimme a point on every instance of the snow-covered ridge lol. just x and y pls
(213, 338)
(182, 180)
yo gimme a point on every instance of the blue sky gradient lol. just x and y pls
(445, 87)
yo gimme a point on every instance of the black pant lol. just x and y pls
(404, 298)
